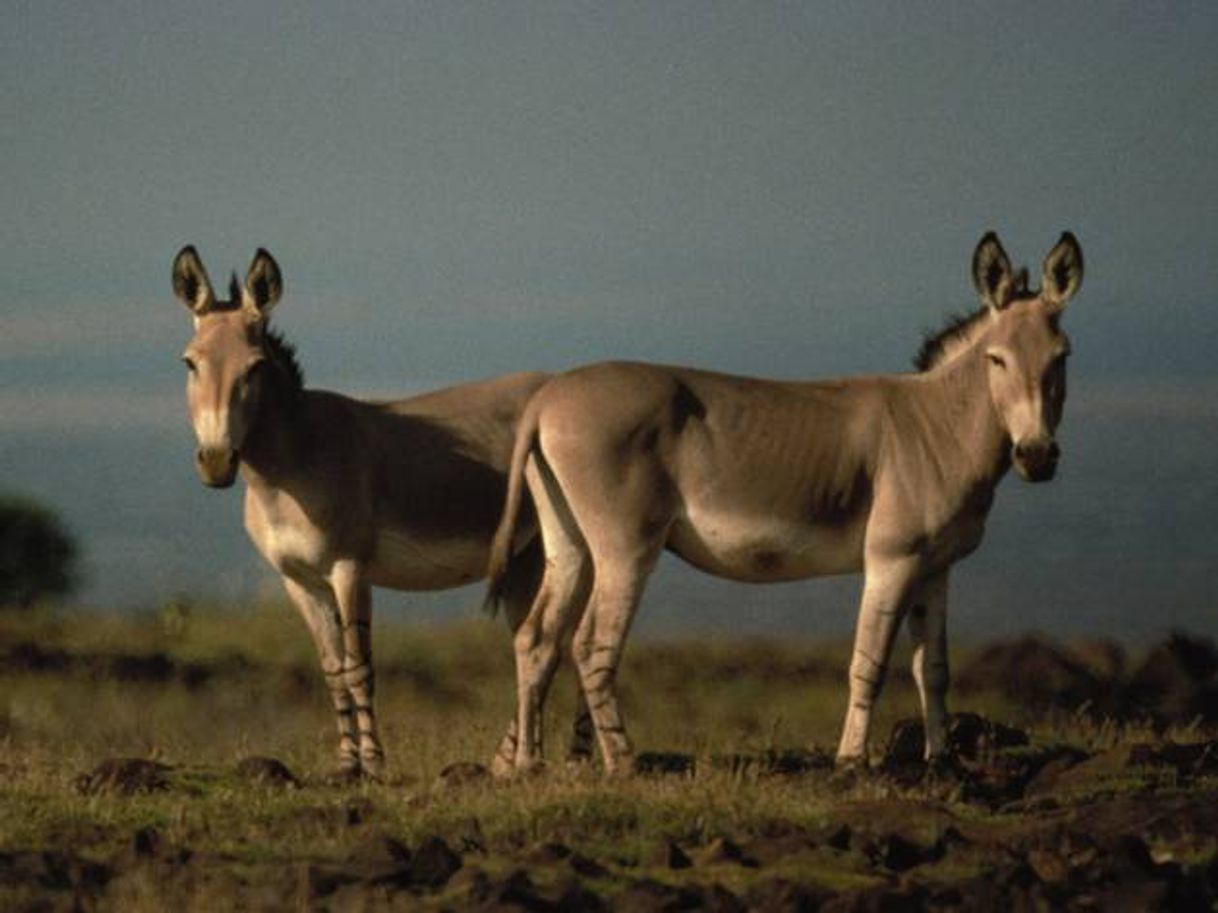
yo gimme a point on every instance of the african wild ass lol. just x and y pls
(757, 480)
(343, 494)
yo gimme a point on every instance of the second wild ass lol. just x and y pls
(757, 480)
(344, 494)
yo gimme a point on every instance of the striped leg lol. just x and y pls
(560, 597)
(886, 588)
(316, 606)
(354, 597)
(928, 630)
(598, 645)
(520, 592)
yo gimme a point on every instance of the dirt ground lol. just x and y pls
(1096, 789)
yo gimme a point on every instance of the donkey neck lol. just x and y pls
(275, 447)
(960, 410)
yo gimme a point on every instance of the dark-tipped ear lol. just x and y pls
(992, 275)
(1063, 271)
(190, 282)
(263, 284)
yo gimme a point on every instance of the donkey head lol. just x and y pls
(224, 357)
(1026, 348)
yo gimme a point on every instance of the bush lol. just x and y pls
(37, 556)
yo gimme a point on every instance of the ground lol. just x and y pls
(182, 758)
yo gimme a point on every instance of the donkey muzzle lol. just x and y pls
(1036, 460)
(217, 466)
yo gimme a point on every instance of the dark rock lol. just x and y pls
(268, 772)
(1187, 759)
(546, 853)
(433, 863)
(670, 856)
(897, 854)
(722, 850)
(840, 838)
(769, 850)
(462, 773)
(778, 895)
(664, 762)
(648, 896)
(124, 777)
(586, 867)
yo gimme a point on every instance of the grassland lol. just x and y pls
(1067, 807)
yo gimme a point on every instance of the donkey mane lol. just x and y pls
(281, 352)
(956, 333)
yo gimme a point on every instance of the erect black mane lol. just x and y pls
(283, 354)
(935, 344)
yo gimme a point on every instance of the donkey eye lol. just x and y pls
(996, 360)
(190, 364)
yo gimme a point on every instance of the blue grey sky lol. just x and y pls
(456, 190)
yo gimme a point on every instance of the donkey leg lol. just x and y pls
(354, 596)
(598, 645)
(886, 589)
(560, 598)
(317, 607)
(928, 631)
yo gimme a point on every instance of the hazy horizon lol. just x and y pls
(457, 190)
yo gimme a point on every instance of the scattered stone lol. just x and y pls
(778, 895)
(586, 866)
(124, 777)
(1191, 759)
(670, 856)
(268, 772)
(840, 838)
(897, 854)
(769, 850)
(722, 850)
(664, 762)
(649, 896)
(549, 853)
(433, 863)
(462, 773)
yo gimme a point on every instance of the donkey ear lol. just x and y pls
(992, 275)
(1063, 271)
(263, 284)
(190, 282)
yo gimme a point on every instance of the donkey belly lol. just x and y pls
(403, 560)
(765, 549)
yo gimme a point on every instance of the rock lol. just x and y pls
(433, 863)
(664, 762)
(462, 773)
(722, 850)
(1186, 759)
(124, 777)
(268, 772)
(670, 856)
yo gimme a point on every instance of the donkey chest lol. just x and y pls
(287, 540)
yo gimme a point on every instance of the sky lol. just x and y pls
(456, 190)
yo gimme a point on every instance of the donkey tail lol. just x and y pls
(501, 544)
